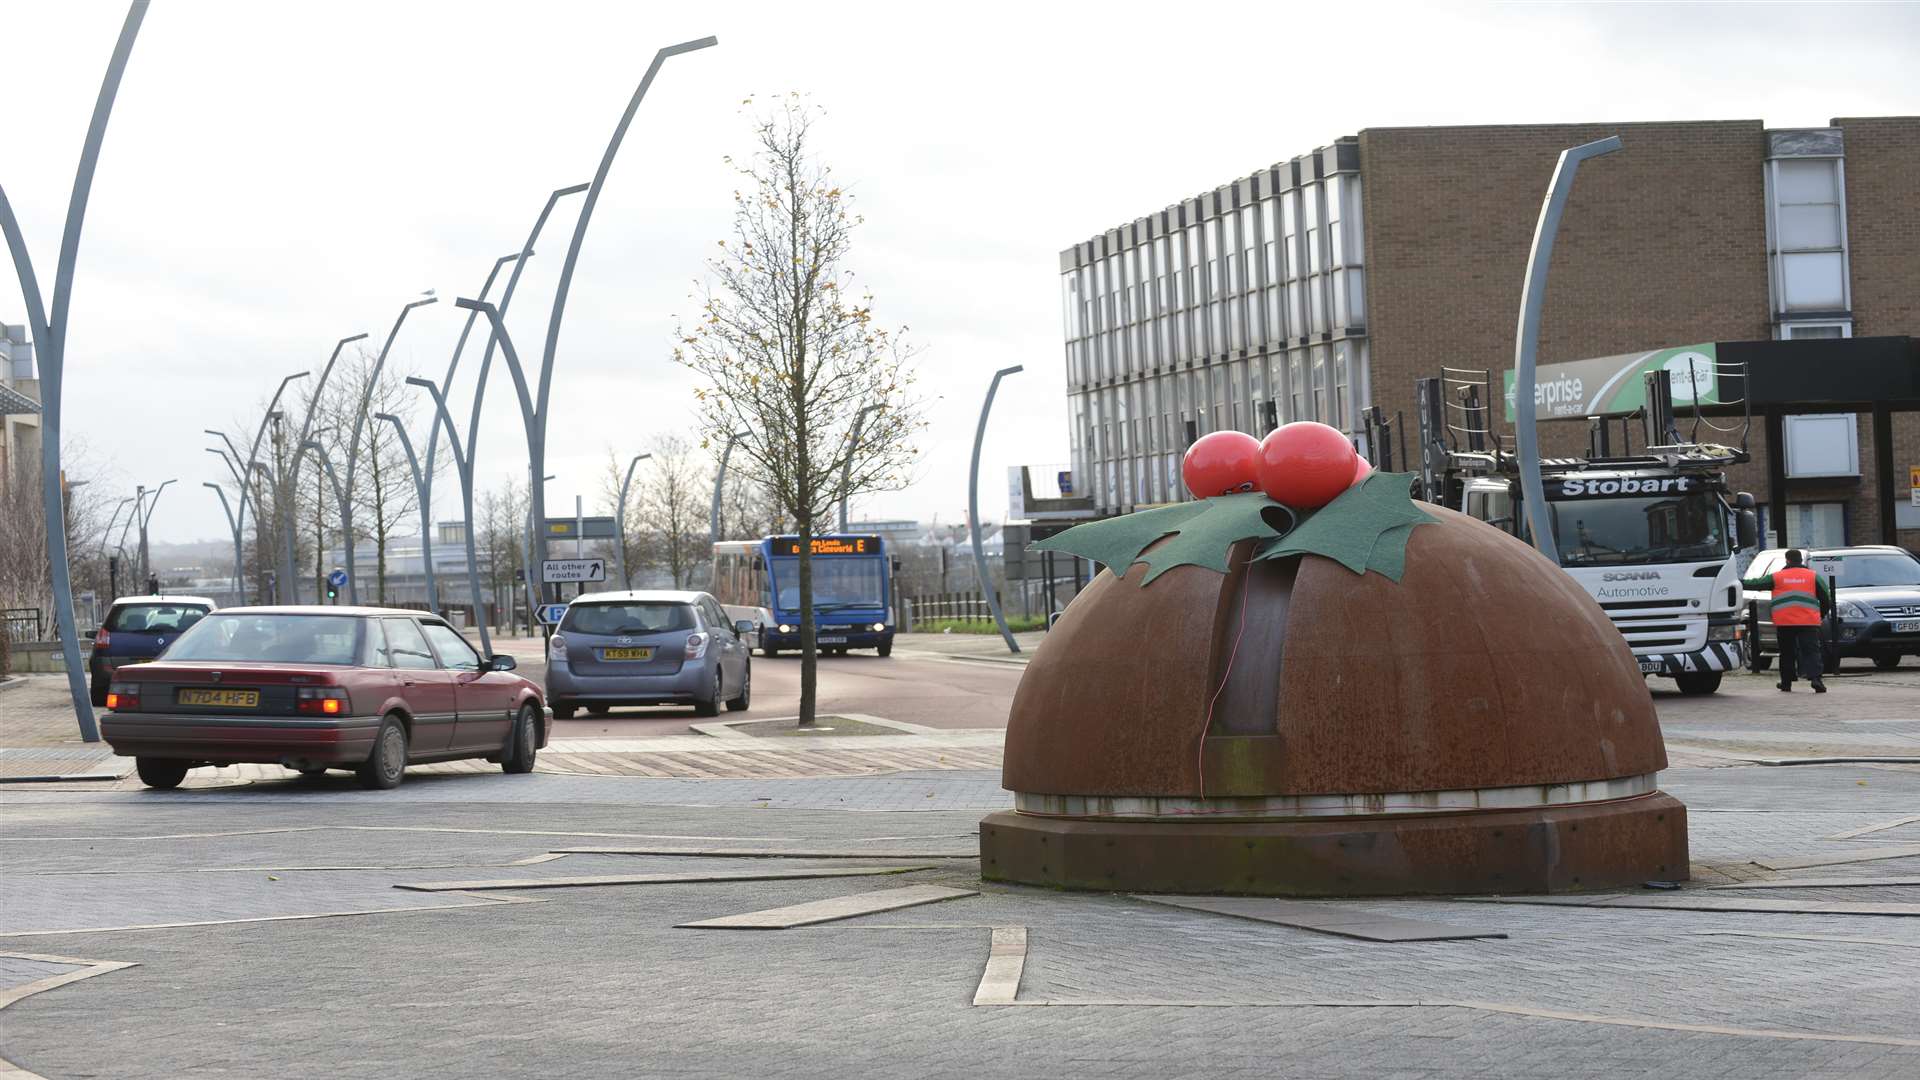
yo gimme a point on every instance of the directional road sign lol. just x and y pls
(337, 578)
(559, 570)
(551, 614)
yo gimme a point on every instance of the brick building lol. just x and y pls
(1323, 285)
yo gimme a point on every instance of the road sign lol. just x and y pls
(559, 570)
(337, 578)
(551, 614)
(593, 528)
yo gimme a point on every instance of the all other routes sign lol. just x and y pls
(551, 614)
(554, 571)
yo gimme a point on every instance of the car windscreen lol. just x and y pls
(1627, 531)
(837, 583)
(1868, 571)
(153, 618)
(628, 617)
(285, 639)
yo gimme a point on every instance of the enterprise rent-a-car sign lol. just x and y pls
(1561, 488)
(1612, 385)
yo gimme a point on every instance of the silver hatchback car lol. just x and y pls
(650, 647)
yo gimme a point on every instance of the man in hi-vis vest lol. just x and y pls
(1801, 598)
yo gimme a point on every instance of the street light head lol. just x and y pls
(1014, 370)
(574, 190)
(386, 416)
(422, 302)
(415, 380)
(350, 340)
(465, 304)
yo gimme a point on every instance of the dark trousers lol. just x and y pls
(1800, 645)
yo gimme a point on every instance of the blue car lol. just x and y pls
(137, 629)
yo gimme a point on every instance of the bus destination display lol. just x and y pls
(830, 545)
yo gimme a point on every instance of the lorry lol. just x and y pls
(1657, 537)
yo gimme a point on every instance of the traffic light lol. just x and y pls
(333, 591)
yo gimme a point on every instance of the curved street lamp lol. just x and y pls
(293, 474)
(973, 510)
(846, 470)
(50, 336)
(719, 483)
(145, 510)
(233, 524)
(463, 465)
(353, 441)
(621, 521)
(339, 497)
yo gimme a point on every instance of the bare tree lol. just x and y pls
(789, 357)
(502, 521)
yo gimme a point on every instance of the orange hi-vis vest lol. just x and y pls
(1796, 599)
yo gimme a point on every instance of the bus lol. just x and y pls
(759, 581)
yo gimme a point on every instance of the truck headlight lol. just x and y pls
(1729, 632)
(785, 629)
(879, 627)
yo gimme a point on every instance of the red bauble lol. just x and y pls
(1306, 465)
(1360, 470)
(1221, 463)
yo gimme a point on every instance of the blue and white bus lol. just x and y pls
(759, 580)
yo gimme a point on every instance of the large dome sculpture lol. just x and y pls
(1292, 727)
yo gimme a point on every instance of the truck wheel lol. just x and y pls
(1693, 683)
(1887, 661)
(885, 649)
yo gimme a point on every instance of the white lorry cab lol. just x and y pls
(1657, 545)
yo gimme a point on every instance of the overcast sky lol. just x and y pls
(278, 176)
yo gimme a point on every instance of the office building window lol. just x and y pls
(1807, 227)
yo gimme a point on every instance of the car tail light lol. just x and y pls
(123, 697)
(556, 648)
(696, 646)
(322, 701)
(102, 639)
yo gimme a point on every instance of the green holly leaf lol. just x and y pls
(1202, 533)
(1365, 528)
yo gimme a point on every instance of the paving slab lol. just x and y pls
(833, 910)
(1840, 858)
(1687, 903)
(771, 853)
(1323, 918)
(594, 880)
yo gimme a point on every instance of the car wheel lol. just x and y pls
(769, 652)
(885, 649)
(1693, 683)
(98, 692)
(1887, 661)
(162, 773)
(562, 710)
(524, 740)
(710, 706)
(599, 710)
(387, 763)
(741, 703)
(1830, 661)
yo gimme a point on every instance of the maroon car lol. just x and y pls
(318, 688)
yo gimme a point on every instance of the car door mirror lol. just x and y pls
(502, 662)
(743, 626)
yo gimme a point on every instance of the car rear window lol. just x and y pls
(285, 639)
(153, 618)
(634, 617)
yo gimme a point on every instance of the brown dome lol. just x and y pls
(1485, 667)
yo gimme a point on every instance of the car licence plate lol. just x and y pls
(1650, 667)
(832, 639)
(1907, 626)
(226, 699)
(627, 654)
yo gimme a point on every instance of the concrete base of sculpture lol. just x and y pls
(1544, 849)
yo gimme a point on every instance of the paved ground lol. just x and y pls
(269, 938)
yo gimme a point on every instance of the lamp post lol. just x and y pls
(233, 524)
(340, 498)
(463, 466)
(534, 408)
(421, 486)
(720, 483)
(287, 570)
(621, 525)
(145, 510)
(272, 415)
(973, 509)
(1526, 349)
(846, 470)
(353, 440)
(50, 335)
